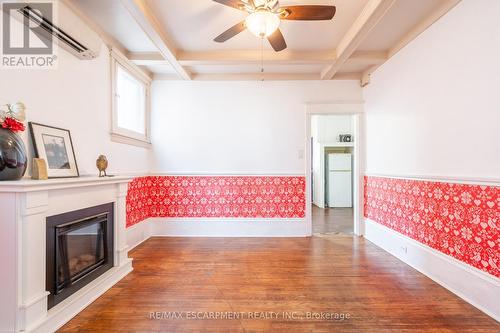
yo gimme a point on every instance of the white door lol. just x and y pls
(340, 189)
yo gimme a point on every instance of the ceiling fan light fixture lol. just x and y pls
(262, 23)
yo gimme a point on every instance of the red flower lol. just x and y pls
(13, 125)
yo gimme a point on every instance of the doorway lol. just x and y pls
(333, 166)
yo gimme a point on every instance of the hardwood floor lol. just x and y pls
(296, 275)
(332, 220)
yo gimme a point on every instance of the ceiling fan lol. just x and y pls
(265, 16)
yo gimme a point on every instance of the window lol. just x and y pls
(130, 102)
(131, 91)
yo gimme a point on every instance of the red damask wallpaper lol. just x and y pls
(219, 196)
(459, 220)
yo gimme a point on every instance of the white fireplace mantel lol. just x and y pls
(30, 185)
(24, 207)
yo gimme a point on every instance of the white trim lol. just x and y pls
(355, 109)
(138, 233)
(149, 24)
(443, 179)
(369, 17)
(40, 297)
(337, 107)
(236, 174)
(64, 311)
(476, 287)
(338, 144)
(30, 185)
(129, 65)
(119, 138)
(215, 227)
(229, 227)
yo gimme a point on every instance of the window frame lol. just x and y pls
(120, 134)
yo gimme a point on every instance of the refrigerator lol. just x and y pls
(339, 180)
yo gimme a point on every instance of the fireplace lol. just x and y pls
(79, 249)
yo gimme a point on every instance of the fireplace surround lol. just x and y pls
(29, 303)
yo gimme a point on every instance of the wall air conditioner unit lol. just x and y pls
(71, 33)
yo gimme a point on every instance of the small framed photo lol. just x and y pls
(54, 145)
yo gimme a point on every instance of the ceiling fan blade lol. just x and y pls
(277, 41)
(231, 3)
(231, 32)
(308, 12)
(276, 5)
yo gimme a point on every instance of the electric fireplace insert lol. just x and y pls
(79, 249)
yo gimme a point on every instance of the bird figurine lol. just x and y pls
(102, 165)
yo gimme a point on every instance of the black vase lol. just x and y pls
(13, 158)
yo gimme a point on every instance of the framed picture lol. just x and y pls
(54, 145)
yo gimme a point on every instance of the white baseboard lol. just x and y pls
(210, 227)
(67, 309)
(230, 227)
(476, 287)
(319, 204)
(138, 233)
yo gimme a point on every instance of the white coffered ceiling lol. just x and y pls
(194, 24)
(173, 39)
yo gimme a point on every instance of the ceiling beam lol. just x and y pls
(258, 77)
(347, 76)
(246, 77)
(250, 57)
(411, 35)
(241, 57)
(146, 19)
(368, 57)
(365, 79)
(254, 56)
(373, 11)
(147, 58)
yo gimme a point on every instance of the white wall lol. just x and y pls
(326, 129)
(318, 174)
(433, 109)
(236, 127)
(75, 96)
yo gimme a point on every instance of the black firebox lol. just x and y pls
(79, 249)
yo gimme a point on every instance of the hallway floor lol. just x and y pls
(273, 283)
(332, 220)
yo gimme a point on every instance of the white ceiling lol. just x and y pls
(401, 18)
(188, 27)
(113, 18)
(194, 24)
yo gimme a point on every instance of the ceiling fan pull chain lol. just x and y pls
(262, 57)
